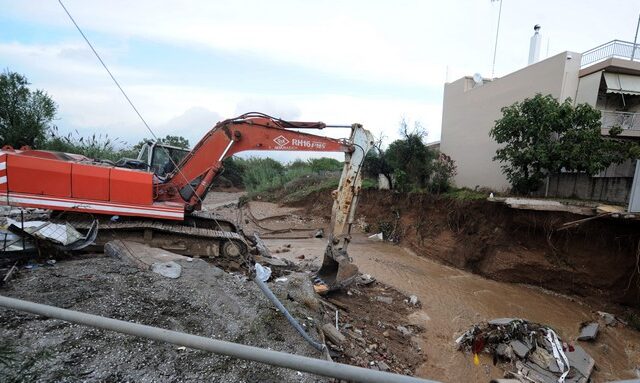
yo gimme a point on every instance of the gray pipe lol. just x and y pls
(275, 358)
(265, 289)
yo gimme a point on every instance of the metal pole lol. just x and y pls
(635, 40)
(495, 48)
(256, 354)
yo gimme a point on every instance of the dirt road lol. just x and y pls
(453, 300)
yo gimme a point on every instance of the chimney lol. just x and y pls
(534, 46)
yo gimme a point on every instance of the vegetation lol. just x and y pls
(540, 136)
(26, 118)
(25, 115)
(409, 164)
(261, 175)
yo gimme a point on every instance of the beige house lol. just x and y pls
(604, 77)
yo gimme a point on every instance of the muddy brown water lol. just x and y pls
(453, 300)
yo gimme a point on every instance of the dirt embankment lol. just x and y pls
(597, 259)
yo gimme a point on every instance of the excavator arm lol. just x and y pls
(193, 177)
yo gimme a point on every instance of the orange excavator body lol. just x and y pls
(60, 181)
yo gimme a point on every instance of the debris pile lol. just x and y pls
(368, 326)
(527, 351)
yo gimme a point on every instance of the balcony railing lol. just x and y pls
(615, 48)
(624, 120)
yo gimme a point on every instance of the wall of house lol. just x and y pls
(470, 112)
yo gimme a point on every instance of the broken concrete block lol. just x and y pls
(387, 300)
(580, 360)
(501, 321)
(333, 334)
(167, 269)
(589, 331)
(609, 319)
(519, 348)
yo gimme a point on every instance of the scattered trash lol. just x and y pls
(377, 237)
(263, 273)
(62, 235)
(115, 218)
(319, 233)
(181, 348)
(529, 352)
(413, 300)
(50, 262)
(282, 279)
(588, 331)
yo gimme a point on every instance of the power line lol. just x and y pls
(134, 108)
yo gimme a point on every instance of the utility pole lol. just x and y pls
(635, 40)
(495, 48)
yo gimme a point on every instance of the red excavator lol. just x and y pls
(160, 205)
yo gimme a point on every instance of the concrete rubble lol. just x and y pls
(529, 352)
(589, 331)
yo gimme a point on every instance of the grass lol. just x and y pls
(292, 182)
(465, 194)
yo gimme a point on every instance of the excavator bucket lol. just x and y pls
(337, 270)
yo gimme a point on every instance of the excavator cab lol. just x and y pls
(160, 158)
(337, 271)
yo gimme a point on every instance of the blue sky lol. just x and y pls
(188, 64)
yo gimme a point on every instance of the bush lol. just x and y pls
(444, 169)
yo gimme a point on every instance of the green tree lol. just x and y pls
(411, 156)
(540, 136)
(25, 115)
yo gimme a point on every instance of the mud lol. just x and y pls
(596, 260)
(455, 242)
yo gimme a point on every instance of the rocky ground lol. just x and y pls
(204, 301)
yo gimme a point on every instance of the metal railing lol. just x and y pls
(615, 48)
(625, 120)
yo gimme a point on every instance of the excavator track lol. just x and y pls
(227, 249)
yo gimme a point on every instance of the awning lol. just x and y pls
(622, 83)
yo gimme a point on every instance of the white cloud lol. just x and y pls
(403, 43)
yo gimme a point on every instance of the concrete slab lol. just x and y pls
(589, 331)
(501, 321)
(519, 348)
(140, 255)
(580, 360)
